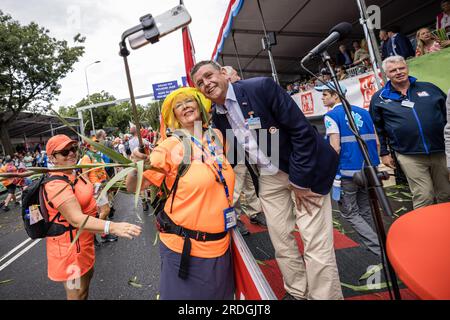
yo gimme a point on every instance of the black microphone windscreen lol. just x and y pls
(343, 28)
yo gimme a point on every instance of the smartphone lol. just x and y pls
(166, 23)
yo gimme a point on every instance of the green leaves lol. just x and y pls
(117, 157)
(371, 272)
(118, 177)
(140, 174)
(133, 282)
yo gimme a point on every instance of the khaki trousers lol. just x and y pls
(244, 185)
(427, 177)
(315, 275)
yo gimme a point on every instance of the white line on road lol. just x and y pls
(20, 253)
(15, 249)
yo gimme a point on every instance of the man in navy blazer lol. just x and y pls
(295, 163)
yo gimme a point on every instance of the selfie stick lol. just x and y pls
(151, 34)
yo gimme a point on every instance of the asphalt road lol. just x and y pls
(116, 263)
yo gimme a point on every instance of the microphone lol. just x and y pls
(339, 32)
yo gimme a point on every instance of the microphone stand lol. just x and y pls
(369, 177)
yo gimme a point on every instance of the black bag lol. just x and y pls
(34, 196)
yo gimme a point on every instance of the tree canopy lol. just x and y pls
(31, 64)
(115, 118)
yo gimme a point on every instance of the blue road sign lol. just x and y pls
(162, 90)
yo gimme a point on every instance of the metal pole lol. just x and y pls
(87, 87)
(237, 57)
(133, 106)
(372, 44)
(80, 116)
(269, 51)
(92, 120)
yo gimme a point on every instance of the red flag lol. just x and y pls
(189, 53)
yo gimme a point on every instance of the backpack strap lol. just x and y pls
(53, 178)
(58, 215)
(183, 167)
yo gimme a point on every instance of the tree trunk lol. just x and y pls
(6, 141)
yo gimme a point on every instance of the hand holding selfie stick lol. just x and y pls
(142, 34)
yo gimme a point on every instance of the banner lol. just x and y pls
(249, 280)
(360, 90)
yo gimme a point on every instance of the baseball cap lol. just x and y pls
(331, 85)
(57, 143)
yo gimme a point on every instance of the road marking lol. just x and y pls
(15, 249)
(20, 253)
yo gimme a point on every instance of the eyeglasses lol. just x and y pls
(66, 152)
(180, 104)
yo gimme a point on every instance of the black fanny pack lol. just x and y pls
(166, 225)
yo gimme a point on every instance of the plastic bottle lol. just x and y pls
(27, 214)
(336, 190)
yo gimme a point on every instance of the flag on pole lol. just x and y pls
(189, 52)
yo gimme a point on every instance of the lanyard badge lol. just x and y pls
(253, 123)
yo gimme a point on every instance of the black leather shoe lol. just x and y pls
(242, 228)
(260, 219)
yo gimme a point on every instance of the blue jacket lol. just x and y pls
(402, 46)
(417, 130)
(351, 159)
(304, 155)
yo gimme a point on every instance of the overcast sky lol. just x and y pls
(102, 22)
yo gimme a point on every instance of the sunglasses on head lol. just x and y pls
(66, 152)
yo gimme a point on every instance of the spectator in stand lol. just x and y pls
(43, 160)
(427, 43)
(362, 54)
(384, 44)
(355, 47)
(341, 73)
(412, 115)
(399, 44)
(443, 18)
(343, 57)
(28, 160)
(289, 89)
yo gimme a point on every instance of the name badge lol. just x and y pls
(254, 123)
(230, 218)
(423, 94)
(408, 104)
(35, 214)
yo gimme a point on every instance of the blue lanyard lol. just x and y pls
(219, 167)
